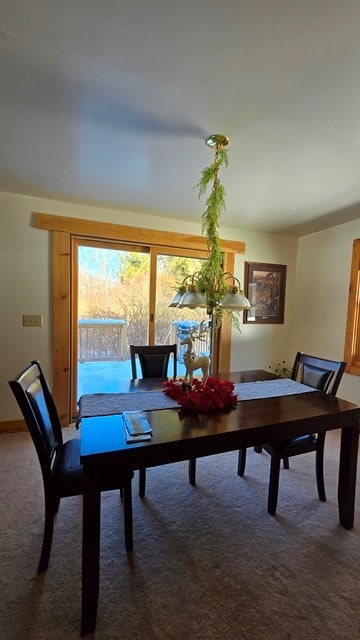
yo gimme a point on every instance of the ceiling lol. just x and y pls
(110, 103)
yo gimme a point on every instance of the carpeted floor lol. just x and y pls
(209, 563)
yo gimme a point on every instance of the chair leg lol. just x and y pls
(241, 461)
(128, 520)
(142, 482)
(273, 483)
(319, 465)
(50, 506)
(286, 463)
(192, 471)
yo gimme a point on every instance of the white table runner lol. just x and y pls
(103, 404)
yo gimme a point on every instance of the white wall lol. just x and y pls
(25, 286)
(259, 346)
(322, 287)
(318, 271)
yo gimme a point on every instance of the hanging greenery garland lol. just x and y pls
(210, 278)
(209, 286)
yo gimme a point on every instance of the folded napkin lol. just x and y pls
(137, 428)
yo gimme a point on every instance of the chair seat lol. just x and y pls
(290, 447)
(68, 472)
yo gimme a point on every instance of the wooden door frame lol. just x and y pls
(352, 337)
(63, 229)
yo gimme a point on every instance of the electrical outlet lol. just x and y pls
(32, 321)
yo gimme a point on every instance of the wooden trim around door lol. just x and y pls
(61, 323)
(138, 235)
(352, 337)
(63, 229)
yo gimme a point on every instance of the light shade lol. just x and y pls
(176, 299)
(235, 300)
(192, 299)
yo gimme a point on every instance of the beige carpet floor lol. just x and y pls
(209, 563)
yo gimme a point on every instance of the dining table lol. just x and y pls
(268, 410)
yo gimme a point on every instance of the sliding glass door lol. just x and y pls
(121, 295)
(111, 304)
(173, 324)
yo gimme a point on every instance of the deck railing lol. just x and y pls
(180, 329)
(102, 339)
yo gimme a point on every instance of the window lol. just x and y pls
(352, 339)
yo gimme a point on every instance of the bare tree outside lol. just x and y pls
(114, 284)
(113, 311)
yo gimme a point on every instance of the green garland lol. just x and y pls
(210, 279)
(211, 271)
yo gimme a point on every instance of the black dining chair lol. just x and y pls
(154, 362)
(62, 471)
(153, 359)
(319, 373)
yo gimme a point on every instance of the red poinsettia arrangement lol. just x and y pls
(211, 396)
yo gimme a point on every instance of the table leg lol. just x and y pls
(192, 471)
(90, 554)
(347, 474)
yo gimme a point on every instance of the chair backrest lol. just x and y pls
(319, 373)
(153, 360)
(38, 407)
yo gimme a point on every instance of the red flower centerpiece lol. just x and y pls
(212, 396)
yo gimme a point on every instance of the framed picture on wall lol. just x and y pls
(265, 289)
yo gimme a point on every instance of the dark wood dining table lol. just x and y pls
(179, 437)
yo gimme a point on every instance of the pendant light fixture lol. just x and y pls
(210, 287)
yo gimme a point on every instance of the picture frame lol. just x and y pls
(265, 288)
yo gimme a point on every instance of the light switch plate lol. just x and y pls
(32, 321)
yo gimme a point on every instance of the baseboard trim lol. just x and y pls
(10, 426)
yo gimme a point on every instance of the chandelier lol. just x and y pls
(210, 287)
